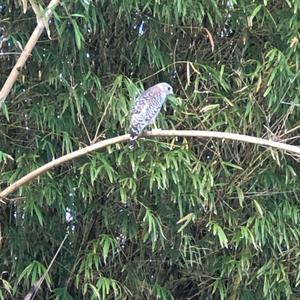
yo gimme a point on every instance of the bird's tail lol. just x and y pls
(134, 133)
(132, 144)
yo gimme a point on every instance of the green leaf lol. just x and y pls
(78, 35)
(258, 208)
(186, 219)
(4, 109)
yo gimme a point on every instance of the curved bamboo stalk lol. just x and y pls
(11, 79)
(154, 133)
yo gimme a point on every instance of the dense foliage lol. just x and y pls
(176, 218)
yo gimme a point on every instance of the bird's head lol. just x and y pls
(165, 88)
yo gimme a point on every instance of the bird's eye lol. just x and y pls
(169, 89)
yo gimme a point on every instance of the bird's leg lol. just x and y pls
(150, 125)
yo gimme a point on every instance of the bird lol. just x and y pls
(146, 108)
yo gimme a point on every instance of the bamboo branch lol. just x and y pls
(154, 133)
(11, 79)
(36, 286)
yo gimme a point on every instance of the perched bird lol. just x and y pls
(146, 108)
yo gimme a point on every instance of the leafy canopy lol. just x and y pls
(176, 218)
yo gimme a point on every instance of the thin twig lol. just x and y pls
(10, 53)
(34, 289)
(154, 133)
(96, 137)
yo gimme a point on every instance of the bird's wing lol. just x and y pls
(141, 106)
(145, 100)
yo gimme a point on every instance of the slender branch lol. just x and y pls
(26, 53)
(154, 133)
(36, 286)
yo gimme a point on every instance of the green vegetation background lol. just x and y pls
(237, 204)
